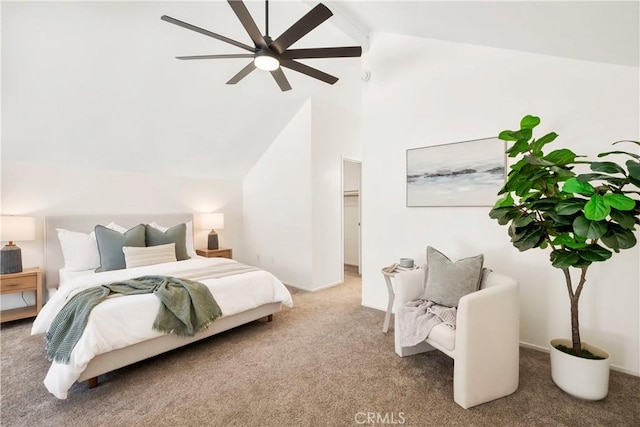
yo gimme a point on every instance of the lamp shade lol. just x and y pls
(212, 221)
(17, 228)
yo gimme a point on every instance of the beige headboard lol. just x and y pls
(53, 259)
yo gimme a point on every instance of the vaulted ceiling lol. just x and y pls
(95, 83)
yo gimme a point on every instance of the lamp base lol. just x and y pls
(212, 242)
(10, 260)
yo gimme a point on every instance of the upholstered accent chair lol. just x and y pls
(485, 343)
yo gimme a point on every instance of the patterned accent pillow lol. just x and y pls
(137, 257)
(448, 281)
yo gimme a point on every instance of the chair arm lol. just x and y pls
(409, 286)
(487, 342)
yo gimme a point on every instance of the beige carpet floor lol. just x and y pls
(325, 362)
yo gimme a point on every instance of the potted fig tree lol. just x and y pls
(581, 218)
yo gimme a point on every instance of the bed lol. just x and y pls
(118, 331)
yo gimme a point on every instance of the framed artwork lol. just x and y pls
(468, 173)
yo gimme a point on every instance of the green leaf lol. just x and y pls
(569, 241)
(570, 206)
(563, 172)
(617, 181)
(635, 156)
(563, 259)
(532, 239)
(574, 185)
(519, 147)
(595, 253)
(533, 160)
(619, 238)
(596, 209)
(625, 220)
(560, 220)
(619, 201)
(524, 220)
(589, 229)
(607, 167)
(634, 169)
(504, 215)
(561, 157)
(505, 201)
(529, 122)
(541, 142)
(507, 135)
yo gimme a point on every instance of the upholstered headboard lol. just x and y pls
(85, 223)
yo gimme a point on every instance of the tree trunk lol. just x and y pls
(574, 297)
(575, 326)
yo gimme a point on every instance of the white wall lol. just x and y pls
(277, 205)
(40, 189)
(426, 92)
(335, 131)
(293, 195)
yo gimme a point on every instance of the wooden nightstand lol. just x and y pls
(213, 253)
(29, 280)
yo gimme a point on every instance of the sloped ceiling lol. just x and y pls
(602, 31)
(96, 83)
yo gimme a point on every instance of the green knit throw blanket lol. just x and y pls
(186, 308)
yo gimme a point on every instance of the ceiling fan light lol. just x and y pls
(266, 62)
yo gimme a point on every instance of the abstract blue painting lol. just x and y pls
(469, 173)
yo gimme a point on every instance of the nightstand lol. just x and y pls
(213, 253)
(29, 280)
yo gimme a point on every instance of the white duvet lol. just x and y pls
(121, 320)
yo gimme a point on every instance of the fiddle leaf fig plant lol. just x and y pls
(581, 218)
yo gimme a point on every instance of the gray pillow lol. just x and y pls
(110, 245)
(176, 234)
(448, 281)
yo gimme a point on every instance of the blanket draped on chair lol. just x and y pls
(186, 308)
(417, 318)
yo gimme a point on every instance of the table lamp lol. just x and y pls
(14, 228)
(211, 221)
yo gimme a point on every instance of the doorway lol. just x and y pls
(351, 206)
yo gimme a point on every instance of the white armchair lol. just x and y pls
(485, 343)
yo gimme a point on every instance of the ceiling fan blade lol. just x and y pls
(242, 73)
(309, 71)
(239, 55)
(323, 52)
(308, 22)
(281, 79)
(248, 23)
(206, 32)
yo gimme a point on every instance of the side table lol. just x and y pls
(216, 253)
(29, 280)
(387, 278)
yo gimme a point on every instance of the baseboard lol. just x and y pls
(546, 350)
(305, 289)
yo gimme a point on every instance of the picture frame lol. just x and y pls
(467, 173)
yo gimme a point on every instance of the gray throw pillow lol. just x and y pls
(176, 234)
(448, 281)
(110, 245)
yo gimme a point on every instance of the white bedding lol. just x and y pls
(65, 275)
(121, 321)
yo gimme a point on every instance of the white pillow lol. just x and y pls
(135, 256)
(189, 241)
(80, 250)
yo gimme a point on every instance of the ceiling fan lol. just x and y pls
(270, 55)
